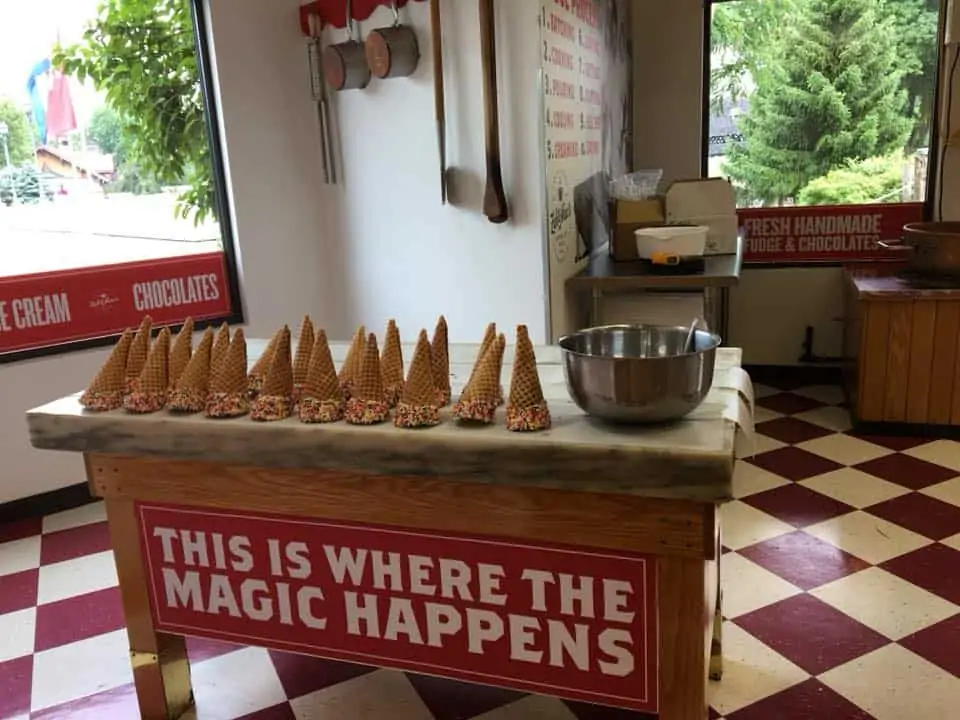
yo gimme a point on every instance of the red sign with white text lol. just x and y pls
(575, 623)
(830, 233)
(58, 307)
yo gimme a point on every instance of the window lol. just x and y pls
(112, 191)
(817, 103)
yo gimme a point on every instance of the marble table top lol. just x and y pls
(691, 459)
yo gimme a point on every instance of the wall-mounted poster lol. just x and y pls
(585, 77)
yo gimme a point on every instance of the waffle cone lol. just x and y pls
(180, 351)
(262, 364)
(391, 361)
(321, 382)
(489, 338)
(305, 343)
(110, 377)
(196, 376)
(368, 384)
(279, 378)
(525, 390)
(139, 348)
(230, 376)
(221, 341)
(420, 388)
(440, 359)
(484, 382)
(351, 364)
(154, 377)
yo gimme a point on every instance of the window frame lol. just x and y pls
(199, 13)
(936, 149)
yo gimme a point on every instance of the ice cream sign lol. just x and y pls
(570, 622)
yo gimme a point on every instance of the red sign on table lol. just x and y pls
(575, 623)
(824, 233)
(65, 306)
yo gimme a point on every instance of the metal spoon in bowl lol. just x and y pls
(691, 334)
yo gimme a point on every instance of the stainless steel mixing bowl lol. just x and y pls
(638, 373)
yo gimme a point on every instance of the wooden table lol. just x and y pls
(581, 562)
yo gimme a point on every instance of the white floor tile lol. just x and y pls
(884, 602)
(762, 414)
(760, 390)
(380, 695)
(83, 515)
(844, 449)
(79, 669)
(16, 633)
(76, 577)
(236, 684)
(893, 683)
(830, 394)
(948, 491)
(751, 672)
(854, 487)
(830, 417)
(953, 541)
(19, 555)
(749, 480)
(532, 707)
(744, 525)
(747, 586)
(760, 444)
(941, 452)
(869, 538)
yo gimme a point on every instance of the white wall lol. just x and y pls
(378, 246)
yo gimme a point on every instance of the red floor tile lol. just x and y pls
(810, 633)
(16, 681)
(803, 560)
(897, 443)
(74, 542)
(907, 471)
(116, 704)
(793, 463)
(788, 403)
(805, 701)
(940, 644)
(18, 591)
(302, 675)
(790, 430)
(277, 712)
(78, 618)
(452, 700)
(797, 505)
(200, 649)
(921, 513)
(934, 568)
(19, 529)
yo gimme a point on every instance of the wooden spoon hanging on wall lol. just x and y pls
(494, 199)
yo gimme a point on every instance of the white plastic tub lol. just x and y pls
(681, 240)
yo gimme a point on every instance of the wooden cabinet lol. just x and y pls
(902, 347)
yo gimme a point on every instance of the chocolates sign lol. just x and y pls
(574, 623)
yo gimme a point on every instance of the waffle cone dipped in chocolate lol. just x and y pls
(320, 398)
(221, 341)
(189, 395)
(275, 400)
(478, 401)
(150, 394)
(180, 351)
(351, 364)
(367, 405)
(138, 353)
(391, 364)
(106, 390)
(418, 401)
(228, 381)
(499, 347)
(258, 372)
(526, 409)
(301, 362)
(440, 360)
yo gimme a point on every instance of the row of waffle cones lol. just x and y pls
(147, 377)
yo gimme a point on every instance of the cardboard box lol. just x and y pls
(710, 202)
(626, 216)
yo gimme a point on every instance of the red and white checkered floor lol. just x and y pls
(841, 581)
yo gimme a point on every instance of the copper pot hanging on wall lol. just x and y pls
(345, 64)
(392, 51)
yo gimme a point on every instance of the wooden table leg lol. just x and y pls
(161, 671)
